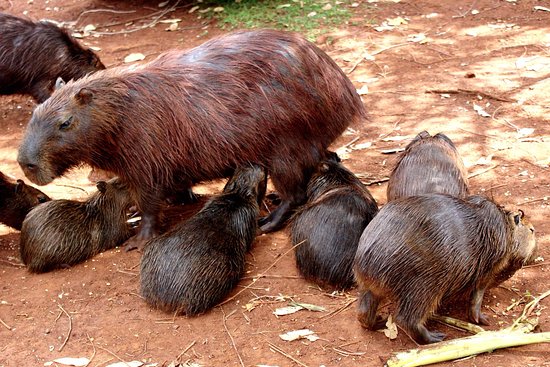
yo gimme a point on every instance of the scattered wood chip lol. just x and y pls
(69, 361)
(134, 57)
(299, 334)
(391, 329)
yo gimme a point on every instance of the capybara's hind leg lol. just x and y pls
(368, 304)
(412, 320)
(475, 314)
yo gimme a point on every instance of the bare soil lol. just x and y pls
(493, 54)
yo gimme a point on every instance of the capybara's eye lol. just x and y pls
(42, 199)
(66, 124)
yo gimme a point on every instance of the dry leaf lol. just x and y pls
(391, 329)
(542, 8)
(312, 14)
(419, 38)
(363, 90)
(134, 57)
(484, 161)
(126, 364)
(365, 145)
(309, 306)
(397, 138)
(163, 4)
(299, 334)
(397, 21)
(68, 361)
(218, 9)
(480, 111)
(327, 7)
(172, 28)
(282, 311)
(526, 131)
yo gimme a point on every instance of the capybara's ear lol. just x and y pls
(518, 216)
(59, 83)
(101, 186)
(324, 168)
(19, 186)
(84, 96)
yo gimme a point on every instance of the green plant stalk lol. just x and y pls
(486, 341)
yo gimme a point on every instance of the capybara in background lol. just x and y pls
(263, 96)
(16, 200)
(34, 54)
(192, 267)
(328, 227)
(422, 250)
(62, 233)
(429, 164)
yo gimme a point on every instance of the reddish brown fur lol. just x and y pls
(34, 54)
(429, 164)
(267, 97)
(16, 200)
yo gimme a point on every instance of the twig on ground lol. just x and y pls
(457, 324)
(185, 350)
(6, 325)
(469, 92)
(73, 187)
(231, 337)
(102, 11)
(70, 328)
(18, 265)
(275, 348)
(535, 200)
(362, 58)
(93, 346)
(480, 172)
(338, 310)
(258, 277)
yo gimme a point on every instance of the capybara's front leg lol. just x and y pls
(145, 233)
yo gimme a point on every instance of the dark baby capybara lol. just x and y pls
(193, 266)
(429, 164)
(34, 54)
(327, 228)
(422, 250)
(16, 200)
(62, 233)
(263, 96)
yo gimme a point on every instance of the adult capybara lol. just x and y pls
(263, 96)
(61, 233)
(429, 164)
(16, 200)
(34, 54)
(422, 250)
(192, 267)
(327, 228)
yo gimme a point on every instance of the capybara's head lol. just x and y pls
(59, 135)
(524, 245)
(17, 200)
(249, 181)
(113, 194)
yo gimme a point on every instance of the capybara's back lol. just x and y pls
(263, 96)
(192, 267)
(326, 230)
(16, 200)
(429, 164)
(421, 250)
(34, 54)
(62, 233)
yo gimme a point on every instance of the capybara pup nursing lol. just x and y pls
(61, 233)
(263, 96)
(327, 228)
(16, 200)
(422, 250)
(429, 164)
(192, 267)
(34, 54)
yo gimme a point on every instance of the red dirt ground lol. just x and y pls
(492, 53)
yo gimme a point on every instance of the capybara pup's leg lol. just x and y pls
(368, 304)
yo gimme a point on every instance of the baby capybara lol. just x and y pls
(263, 96)
(422, 250)
(327, 228)
(34, 54)
(16, 200)
(193, 266)
(62, 233)
(429, 164)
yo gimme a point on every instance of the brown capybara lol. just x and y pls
(34, 54)
(429, 164)
(62, 233)
(263, 96)
(326, 230)
(422, 250)
(193, 266)
(16, 200)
